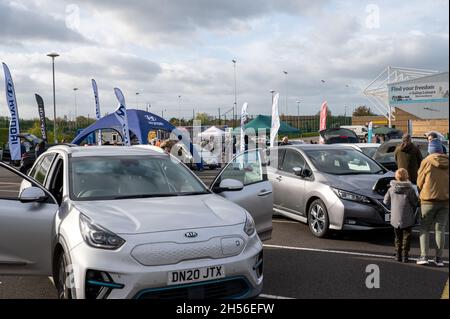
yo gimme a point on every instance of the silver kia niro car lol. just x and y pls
(134, 222)
(329, 187)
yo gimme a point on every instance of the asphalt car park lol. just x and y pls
(299, 265)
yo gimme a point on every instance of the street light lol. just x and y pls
(162, 113)
(272, 92)
(75, 94)
(298, 114)
(137, 105)
(53, 56)
(286, 97)
(179, 110)
(235, 94)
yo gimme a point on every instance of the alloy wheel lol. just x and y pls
(317, 219)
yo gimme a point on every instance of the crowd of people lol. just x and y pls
(430, 177)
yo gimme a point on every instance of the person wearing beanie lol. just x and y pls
(432, 182)
(407, 155)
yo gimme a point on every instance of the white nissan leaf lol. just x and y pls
(130, 222)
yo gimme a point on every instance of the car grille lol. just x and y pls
(229, 288)
(168, 253)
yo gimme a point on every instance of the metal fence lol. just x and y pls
(311, 123)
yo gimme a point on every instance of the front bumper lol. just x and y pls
(359, 216)
(139, 281)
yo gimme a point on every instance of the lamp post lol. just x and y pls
(298, 114)
(137, 104)
(286, 97)
(75, 95)
(272, 92)
(235, 94)
(179, 110)
(53, 56)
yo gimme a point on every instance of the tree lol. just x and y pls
(363, 110)
(203, 118)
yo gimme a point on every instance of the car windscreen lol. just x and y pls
(121, 177)
(343, 162)
(341, 135)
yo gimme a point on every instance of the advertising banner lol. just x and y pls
(14, 130)
(409, 93)
(370, 132)
(42, 122)
(323, 116)
(275, 121)
(121, 115)
(97, 109)
(244, 115)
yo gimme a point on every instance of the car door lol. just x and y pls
(256, 196)
(273, 173)
(26, 228)
(291, 187)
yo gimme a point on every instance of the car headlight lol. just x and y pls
(249, 227)
(351, 196)
(97, 236)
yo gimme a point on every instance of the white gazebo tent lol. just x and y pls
(212, 131)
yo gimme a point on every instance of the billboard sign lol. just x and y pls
(409, 93)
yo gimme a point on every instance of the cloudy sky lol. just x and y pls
(164, 49)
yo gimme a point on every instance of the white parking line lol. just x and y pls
(274, 297)
(294, 222)
(341, 252)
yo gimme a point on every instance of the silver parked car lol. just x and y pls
(329, 187)
(130, 222)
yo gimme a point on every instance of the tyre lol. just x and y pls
(64, 279)
(318, 220)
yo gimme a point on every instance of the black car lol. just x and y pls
(338, 135)
(385, 153)
(28, 146)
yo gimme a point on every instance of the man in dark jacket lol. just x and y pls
(408, 156)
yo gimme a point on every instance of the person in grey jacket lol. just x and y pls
(402, 199)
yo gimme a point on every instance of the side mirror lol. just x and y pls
(32, 194)
(306, 172)
(230, 185)
(298, 171)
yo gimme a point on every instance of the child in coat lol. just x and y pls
(402, 199)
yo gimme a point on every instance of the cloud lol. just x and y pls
(20, 23)
(163, 49)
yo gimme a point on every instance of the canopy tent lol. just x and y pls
(212, 131)
(139, 124)
(265, 122)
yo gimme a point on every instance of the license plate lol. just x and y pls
(195, 275)
(387, 217)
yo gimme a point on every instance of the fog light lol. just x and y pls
(259, 264)
(99, 284)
